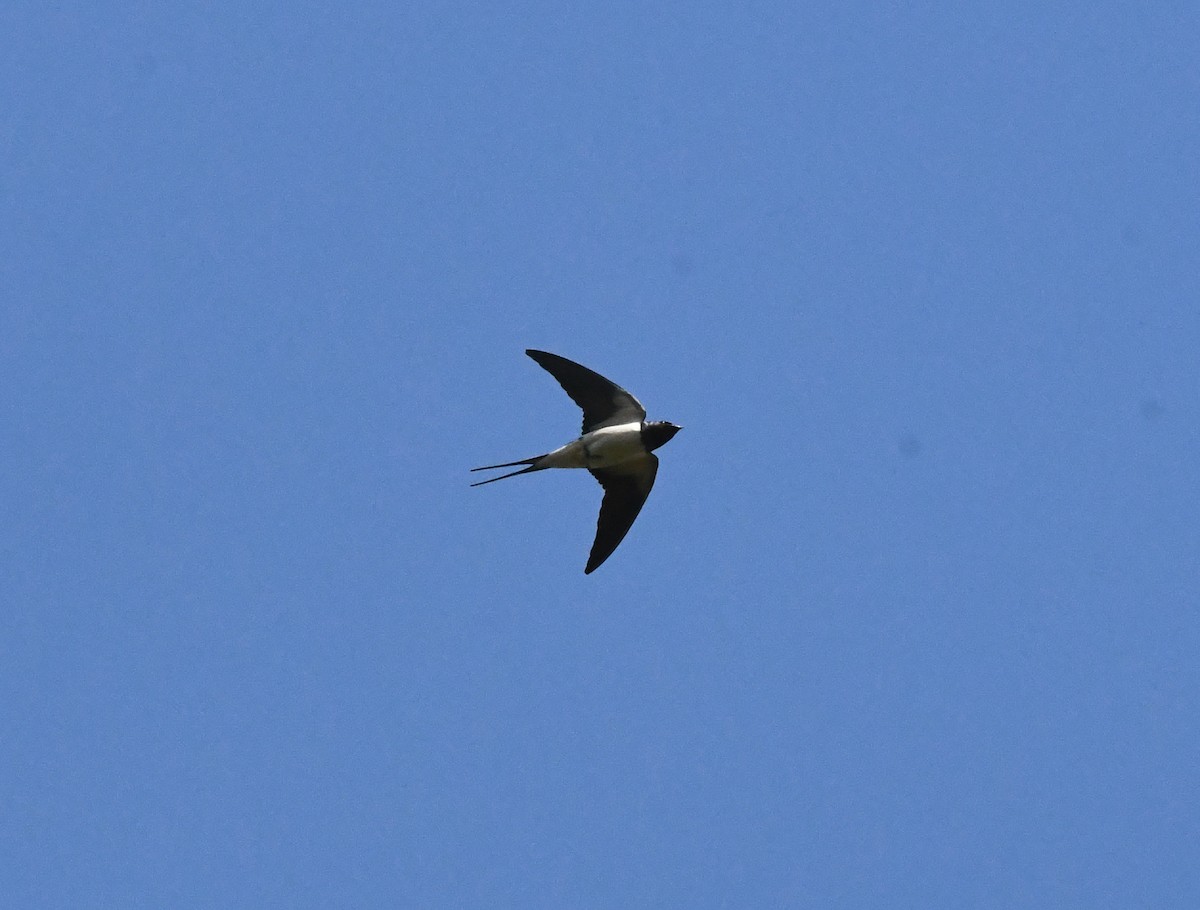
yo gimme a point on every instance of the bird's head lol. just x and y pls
(658, 432)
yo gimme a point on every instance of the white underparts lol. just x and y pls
(600, 448)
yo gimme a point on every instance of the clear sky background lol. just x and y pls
(911, 617)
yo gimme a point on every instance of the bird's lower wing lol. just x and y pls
(626, 487)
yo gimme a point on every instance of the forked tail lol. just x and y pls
(532, 462)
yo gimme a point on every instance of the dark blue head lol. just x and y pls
(658, 432)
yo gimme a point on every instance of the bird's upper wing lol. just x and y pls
(604, 403)
(626, 486)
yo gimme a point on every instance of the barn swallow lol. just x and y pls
(617, 447)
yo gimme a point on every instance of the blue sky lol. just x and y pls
(910, 619)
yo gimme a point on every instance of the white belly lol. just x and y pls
(598, 449)
(613, 445)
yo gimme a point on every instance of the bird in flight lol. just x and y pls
(617, 447)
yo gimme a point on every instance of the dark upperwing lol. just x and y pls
(604, 403)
